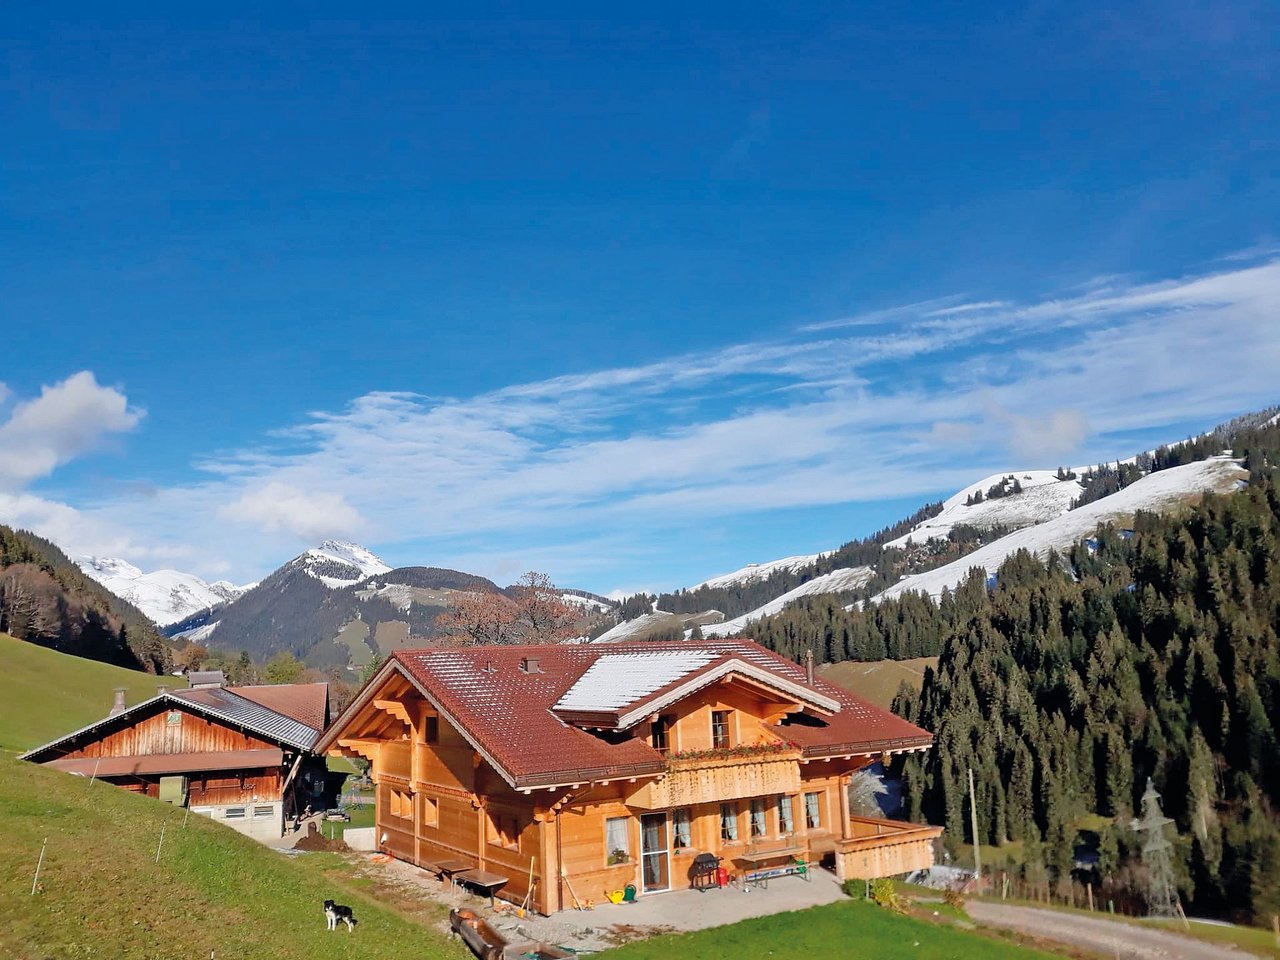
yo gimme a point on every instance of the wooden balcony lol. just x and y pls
(884, 848)
(691, 780)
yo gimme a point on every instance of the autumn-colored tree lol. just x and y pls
(535, 612)
(190, 657)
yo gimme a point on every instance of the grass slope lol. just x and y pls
(103, 895)
(855, 930)
(44, 693)
(876, 681)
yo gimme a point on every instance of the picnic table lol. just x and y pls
(759, 873)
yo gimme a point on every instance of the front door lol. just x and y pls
(655, 853)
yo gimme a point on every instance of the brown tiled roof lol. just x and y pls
(507, 713)
(308, 703)
(162, 763)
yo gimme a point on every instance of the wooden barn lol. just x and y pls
(240, 755)
(590, 767)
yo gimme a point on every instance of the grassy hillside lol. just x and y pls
(103, 894)
(44, 693)
(849, 929)
(876, 680)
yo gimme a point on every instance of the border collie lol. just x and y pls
(336, 913)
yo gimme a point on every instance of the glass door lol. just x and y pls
(655, 853)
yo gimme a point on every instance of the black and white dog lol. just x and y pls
(336, 913)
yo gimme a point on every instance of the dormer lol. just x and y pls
(619, 691)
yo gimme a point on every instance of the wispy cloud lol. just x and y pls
(613, 473)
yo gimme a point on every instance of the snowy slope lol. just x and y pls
(166, 596)
(631, 629)
(586, 603)
(337, 563)
(847, 578)
(759, 571)
(1156, 491)
(1043, 497)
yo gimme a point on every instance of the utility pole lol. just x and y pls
(973, 822)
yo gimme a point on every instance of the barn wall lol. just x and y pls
(156, 734)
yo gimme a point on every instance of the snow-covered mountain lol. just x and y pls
(166, 596)
(847, 578)
(1156, 491)
(753, 572)
(1043, 497)
(337, 563)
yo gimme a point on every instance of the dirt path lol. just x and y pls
(1109, 938)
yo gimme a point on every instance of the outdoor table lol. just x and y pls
(759, 874)
(483, 879)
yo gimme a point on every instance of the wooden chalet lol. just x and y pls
(590, 767)
(240, 755)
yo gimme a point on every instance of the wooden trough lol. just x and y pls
(488, 944)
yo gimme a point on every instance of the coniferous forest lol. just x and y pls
(1066, 683)
(1151, 655)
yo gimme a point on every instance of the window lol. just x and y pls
(504, 830)
(262, 813)
(729, 822)
(433, 730)
(758, 828)
(430, 812)
(786, 817)
(720, 729)
(233, 813)
(617, 839)
(400, 804)
(680, 827)
(173, 718)
(661, 733)
(813, 811)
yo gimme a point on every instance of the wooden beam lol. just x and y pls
(396, 709)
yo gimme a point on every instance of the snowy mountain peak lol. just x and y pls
(99, 567)
(166, 596)
(337, 563)
(753, 572)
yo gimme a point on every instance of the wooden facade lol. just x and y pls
(727, 783)
(210, 750)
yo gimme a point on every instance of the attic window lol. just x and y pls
(529, 665)
(174, 718)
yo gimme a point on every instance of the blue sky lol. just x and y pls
(633, 301)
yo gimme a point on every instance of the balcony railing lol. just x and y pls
(711, 776)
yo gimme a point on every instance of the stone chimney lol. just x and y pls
(162, 689)
(117, 705)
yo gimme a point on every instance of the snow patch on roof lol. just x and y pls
(615, 680)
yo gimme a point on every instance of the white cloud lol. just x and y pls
(911, 402)
(276, 507)
(67, 419)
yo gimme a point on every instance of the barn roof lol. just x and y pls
(513, 713)
(230, 705)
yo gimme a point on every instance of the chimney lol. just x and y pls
(529, 665)
(117, 705)
(489, 667)
(808, 665)
(162, 689)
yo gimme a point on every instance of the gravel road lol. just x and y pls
(1123, 941)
